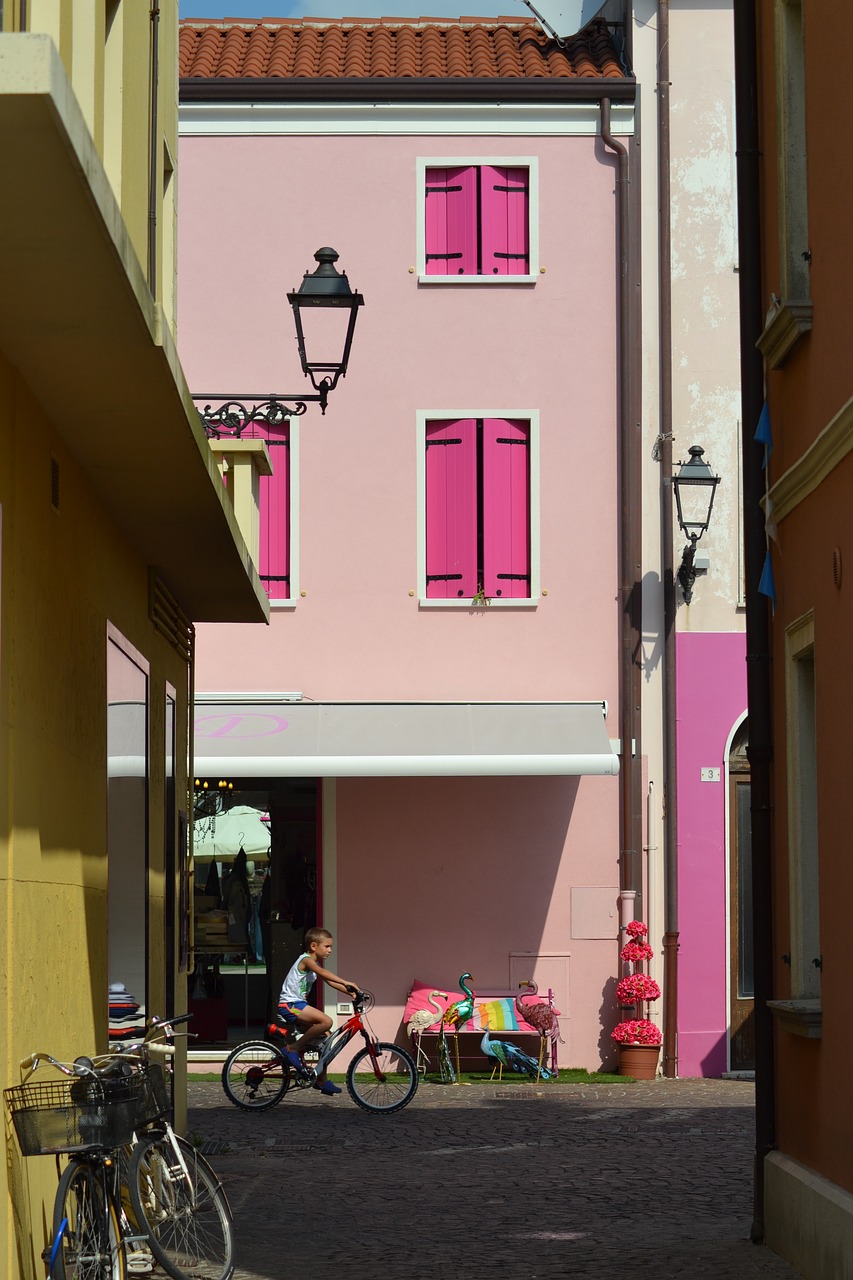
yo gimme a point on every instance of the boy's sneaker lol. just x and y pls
(295, 1061)
(328, 1088)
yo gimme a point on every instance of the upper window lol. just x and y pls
(477, 220)
(479, 540)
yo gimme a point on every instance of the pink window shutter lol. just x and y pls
(506, 508)
(274, 558)
(505, 214)
(450, 224)
(451, 509)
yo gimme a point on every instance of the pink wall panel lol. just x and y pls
(358, 631)
(711, 698)
(437, 876)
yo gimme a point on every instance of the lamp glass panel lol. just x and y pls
(325, 333)
(694, 503)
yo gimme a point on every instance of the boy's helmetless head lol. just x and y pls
(316, 935)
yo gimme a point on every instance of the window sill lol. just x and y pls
(781, 335)
(531, 279)
(798, 1017)
(469, 604)
(283, 604)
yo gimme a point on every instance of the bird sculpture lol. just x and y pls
(420, 1021)
(542, 1016)
(454, 1016)
(505, 1054)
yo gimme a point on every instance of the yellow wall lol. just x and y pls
(108, 52)
(63, 577)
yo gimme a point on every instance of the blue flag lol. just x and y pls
(767, 584)
(764, 432)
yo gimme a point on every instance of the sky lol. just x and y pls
(351, 8)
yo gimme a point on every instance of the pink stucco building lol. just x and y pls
(455, 726)
(447, 637)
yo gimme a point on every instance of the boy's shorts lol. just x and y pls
(288, 1008)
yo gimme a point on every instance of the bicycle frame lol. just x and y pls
(340, 1039)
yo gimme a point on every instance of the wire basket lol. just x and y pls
(75, 1115)
(154, 1101)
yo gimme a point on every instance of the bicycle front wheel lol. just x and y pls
(185, 1212)
(255, 1076)
(86, 1226)
(382, 1078)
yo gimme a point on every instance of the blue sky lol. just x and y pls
(349, 8)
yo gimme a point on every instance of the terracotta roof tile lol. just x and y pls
(365, 48)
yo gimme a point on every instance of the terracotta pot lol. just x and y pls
(639, 1060)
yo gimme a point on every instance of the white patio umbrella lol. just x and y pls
(225, 835)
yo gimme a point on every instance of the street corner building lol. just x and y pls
(107, 487)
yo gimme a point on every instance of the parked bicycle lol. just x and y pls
(121, 1194)
(381, 1078)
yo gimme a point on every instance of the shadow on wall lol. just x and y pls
(652, 641)
(610, 1014)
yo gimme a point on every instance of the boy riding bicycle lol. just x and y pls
(293, 1001)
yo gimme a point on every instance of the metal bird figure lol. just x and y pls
(505, 1054)
(455, 1016)
(542, 1016)
(420, 1021)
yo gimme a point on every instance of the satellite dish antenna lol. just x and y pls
(565, 18)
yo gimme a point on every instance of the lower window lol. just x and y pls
(478, 542)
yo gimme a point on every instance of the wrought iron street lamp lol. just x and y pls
(325, 310)
(695, 485)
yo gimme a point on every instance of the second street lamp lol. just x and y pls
(325, 310)
(695, 485)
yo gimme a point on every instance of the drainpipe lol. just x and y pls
(664, 450)
(630, 529)
(154, 150)
(759, 750)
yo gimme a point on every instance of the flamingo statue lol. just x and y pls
(505, 1054)
(420, 1021)
(542, 1016)
(455, 1016)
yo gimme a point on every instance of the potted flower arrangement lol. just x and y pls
(638, 1038)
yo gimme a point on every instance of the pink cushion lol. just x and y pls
(490, 1012)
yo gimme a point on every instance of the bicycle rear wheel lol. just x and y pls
(382, 1078)
(84, 1219)
(255, 1076)
(190, 1231)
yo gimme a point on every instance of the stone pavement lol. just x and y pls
(644, 1181)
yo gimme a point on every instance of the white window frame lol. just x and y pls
(293, 508)
(803, 833)
(531, 163)
(531, 417)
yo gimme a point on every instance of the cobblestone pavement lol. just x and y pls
(646, 1180)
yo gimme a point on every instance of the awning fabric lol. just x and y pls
(401, 739)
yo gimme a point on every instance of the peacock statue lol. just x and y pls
(542, 1016)
(420, 1021)
(505, 1054)
(454, 1016)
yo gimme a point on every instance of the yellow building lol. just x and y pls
(115, 537)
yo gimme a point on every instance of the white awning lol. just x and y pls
(400, 739)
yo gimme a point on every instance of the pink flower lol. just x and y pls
(637, 987)
(635, 952)
(636, 1031)
(636, 929)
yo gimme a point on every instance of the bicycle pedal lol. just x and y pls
(139, 1262)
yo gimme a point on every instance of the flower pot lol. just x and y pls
(639, 1060)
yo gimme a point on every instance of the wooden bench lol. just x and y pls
(494, 1010)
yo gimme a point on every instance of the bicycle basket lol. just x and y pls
(154, 1101)
(74, 1115)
